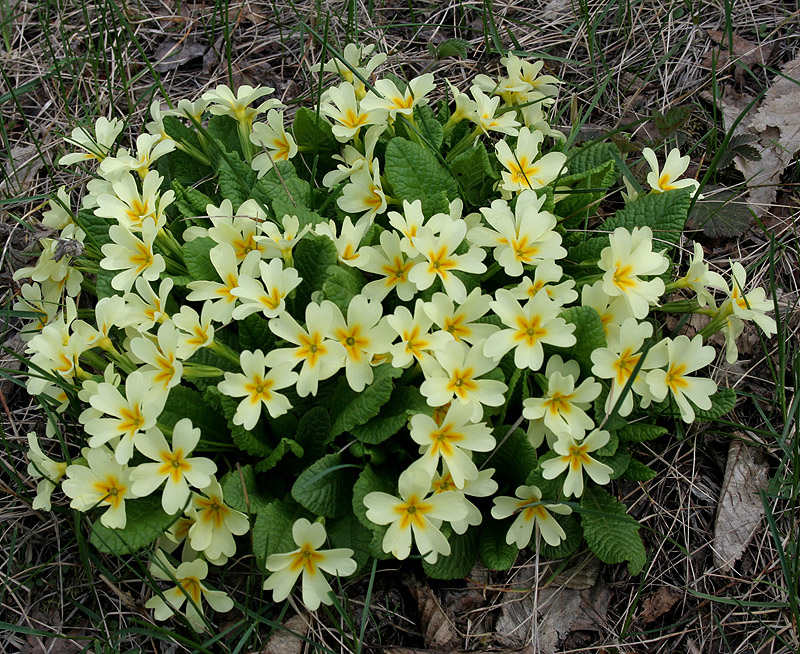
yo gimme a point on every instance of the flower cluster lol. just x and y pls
(334, 326)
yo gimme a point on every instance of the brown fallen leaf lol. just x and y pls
(173, 54)
(560, 611)
(288, 639)
(436, 621)
(657, 604)
(740, 509)
(744, 51)
(20, 170)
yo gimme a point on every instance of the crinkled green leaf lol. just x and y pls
(722, 402)
(618, 461)
(370, 480)
(146, 521)
(180, 132)
(609, 531)
(325, 487)
(589, 334)
(588, 250)
(586, 190)
(283, 183)
(103, 286)
(251, 441)
(272, 529)
(615, 422)
(495, 553)
(178, 165)
(474, 173)
(313, 131)
(665, 213)
(450, 48)
(513, 459)
(198, 260)
(589, 157)
(342, 285)
(347, 531)
(427, 125)
(567, 546)
(224, 132)
(637, 432)
(638, 471)
(415, 174)
(312, 257)
(721, 215)
(96, 228)
(352, 409)
(314, 432)
(191, 202)
(183, 402)
(609, 448)
(285, 447)
(236, 179)
(305, 216)
(255, 334)
(462, 558)
(404, 402)
(241, 492)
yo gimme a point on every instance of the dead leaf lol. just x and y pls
(560, 611)
(657, 604)
(288, 639)
(776, 124)
(744, 51)
(435, 620)
(740, 509)
(721, 214)
(172, 54)
(20, 170)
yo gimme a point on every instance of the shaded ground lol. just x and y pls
(643, 72)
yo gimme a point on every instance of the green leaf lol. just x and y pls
(178, 165)
(305, 216)
(272, 529)
(589, 334)
(415, 174)
(405, 401)
(618, 461)
(609, 448)
(178, 131)
(588, 250)
(285, 447)
(722, 402)
(721, 215)
(474, 173)
(614, 423)
(224, 134)
(240, 490)
(592, 156)
(255, 334)
(314, 432)
(96, 228)
(103, 284)
(586, 191)
(495, 553)
(567, 546)
(236, 179)
(664, 212)
(146, 521)
(450, 48)
(342, 285)
(183, 402)
(313, 131)
(353, 409)
(347, 531)
(371, 480)
(638, 471)
(427, 125)
(637, 432)
(324, 487)
(191, 202)
(513, 459)
(609, 531)
(253, 441)
(312, 257)
(462, 558)
(282, 183)
(198, 260)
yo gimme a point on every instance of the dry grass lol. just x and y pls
(69, 61)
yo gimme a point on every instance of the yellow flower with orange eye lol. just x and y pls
(309, 561)
(173, 466)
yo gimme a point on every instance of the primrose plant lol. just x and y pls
(396, 327)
